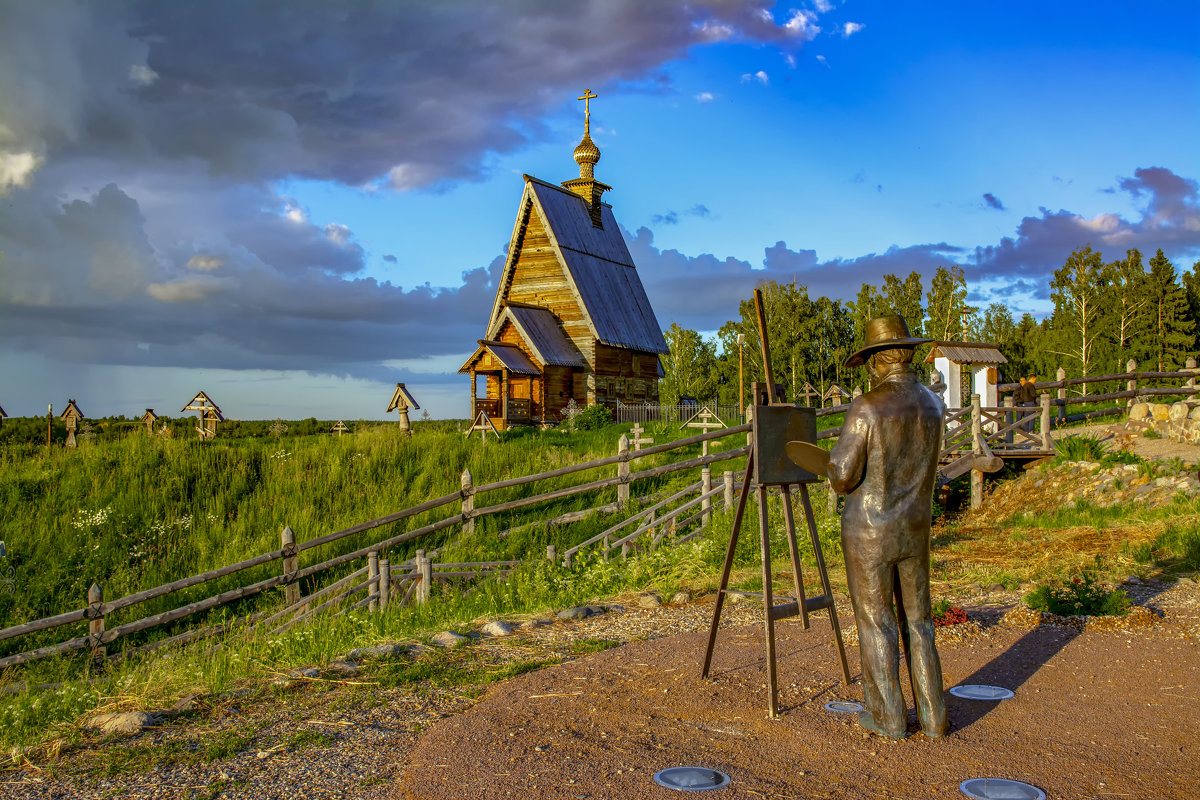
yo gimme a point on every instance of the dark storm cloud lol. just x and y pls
(391, 259)
(992, 202)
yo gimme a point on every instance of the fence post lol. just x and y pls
(1131, 386)
(623, 470)
(425, 571)
(385, 583)
(95, 598)
(728, 490)
(1190, 364)
(552, 554)
(1047, 442)
(705, 488)
(468, 501)
(291, 564)
(1008, 418)
(1061, 376)
(373, 579)
(977, 449)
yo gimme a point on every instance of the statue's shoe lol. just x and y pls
(868, 722)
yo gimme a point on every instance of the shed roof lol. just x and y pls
(402, 395)
(967, 353)
(541, 330)
(597, 264)
(71, 410)
(509, 355)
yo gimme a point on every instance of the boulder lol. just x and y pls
(530, 624)
(680, 599)
(124, 723)
(1160, 411)
(343, 668)
(650, 600)
(1178, 411)
(581, 612)
(448, 639)
(1138, 412)
(497, 628)
(378, 651)
(1195, 413)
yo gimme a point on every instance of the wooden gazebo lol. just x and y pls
(571, 319)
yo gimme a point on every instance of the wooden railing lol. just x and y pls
(413, 577)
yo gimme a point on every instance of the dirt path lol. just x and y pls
(1097, 714)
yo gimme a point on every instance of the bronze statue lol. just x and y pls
(884, 462)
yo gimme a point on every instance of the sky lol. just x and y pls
(294, 205)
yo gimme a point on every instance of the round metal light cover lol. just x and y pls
(691, 779)
(844, 706)
(1000, 789)
(978, 691)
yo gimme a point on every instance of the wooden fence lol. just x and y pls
(409, 581)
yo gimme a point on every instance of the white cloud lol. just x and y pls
(142, 75)
(822, 60)
(16, 169)
(822, 6)
(705, 97)
(851, 28)
(714, 32)
(802, 25)
(205, 263)
(759, 76)
(338, 234)
(295, 213)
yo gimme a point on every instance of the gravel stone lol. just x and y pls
(449, 639)
(497, 628)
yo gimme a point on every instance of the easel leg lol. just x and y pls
(729, 555)
(794, 552)
(816, 543)
(768, 605)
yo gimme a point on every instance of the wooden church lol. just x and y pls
(571, 319)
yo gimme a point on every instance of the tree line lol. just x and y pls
(1105, 313)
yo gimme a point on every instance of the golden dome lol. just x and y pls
(587, 152)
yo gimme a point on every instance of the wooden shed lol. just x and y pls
(209, 413)
(571, 319)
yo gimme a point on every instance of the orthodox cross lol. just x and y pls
(708, 421)
(588, 97)
(637, 440)
(340, 427)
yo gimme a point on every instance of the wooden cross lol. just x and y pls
(708, 421)
(636, 439)
(340, 427)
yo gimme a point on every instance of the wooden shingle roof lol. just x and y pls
(967, 353)
(71, 411)
(598, 267)
(541, 331)
(202, 403)
(402, 396)
(507, 354)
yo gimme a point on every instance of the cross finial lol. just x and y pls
(588, 96)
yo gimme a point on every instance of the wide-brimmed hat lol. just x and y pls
(884, 333)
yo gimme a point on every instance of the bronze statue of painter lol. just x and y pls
(885, 462)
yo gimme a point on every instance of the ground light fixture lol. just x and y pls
(978, 691)
(843, 706)
(1000, 789)
(691, 779)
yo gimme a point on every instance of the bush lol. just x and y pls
(593, 418)
(1080, 448)
(1082, 596)
(946, 614)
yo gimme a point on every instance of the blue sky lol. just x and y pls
(294, 209)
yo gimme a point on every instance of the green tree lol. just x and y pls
(1076, 292)
(1172, 333)
(1126, 303)
(904, 298)
(946, 304)
(689, 368)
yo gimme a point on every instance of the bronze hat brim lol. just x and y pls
(859, 358)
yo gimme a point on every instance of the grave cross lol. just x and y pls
(339, 427)
(637, 440)
(706, 420)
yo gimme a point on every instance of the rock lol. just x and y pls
(530, 624)
(1160, 411)
(448, 639)
(1133, 580)
(345, 668)
(1178, 411)
(497, 628)
(307, 672)
(1195, 413)
(680, 599)
(378, 651)
(261, 754)
(581, 612)
(650, 600)
(1138, 412)
(125, 723)
(996, 587)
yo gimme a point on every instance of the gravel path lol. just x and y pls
(641, 707)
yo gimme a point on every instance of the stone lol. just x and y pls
(123, 723)
(996, 587)
(530, 624)
(377, 651)
(650, 600)
(307, 672)
(680, 599)
(448, 639)
(261, 754)
(344, 668)
(581, 612)
(497, 628)
(1178, 411)
(1138, 412)
(1194, 413)
(1160, 411)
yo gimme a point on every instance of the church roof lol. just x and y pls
(507, 354)
(541, 331)
(967, 353)
(597, 265)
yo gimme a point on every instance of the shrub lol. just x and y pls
(593, 418)
(1082, 596)
(946, 614)
(1080, 448)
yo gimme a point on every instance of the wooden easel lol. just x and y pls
(767, 466)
